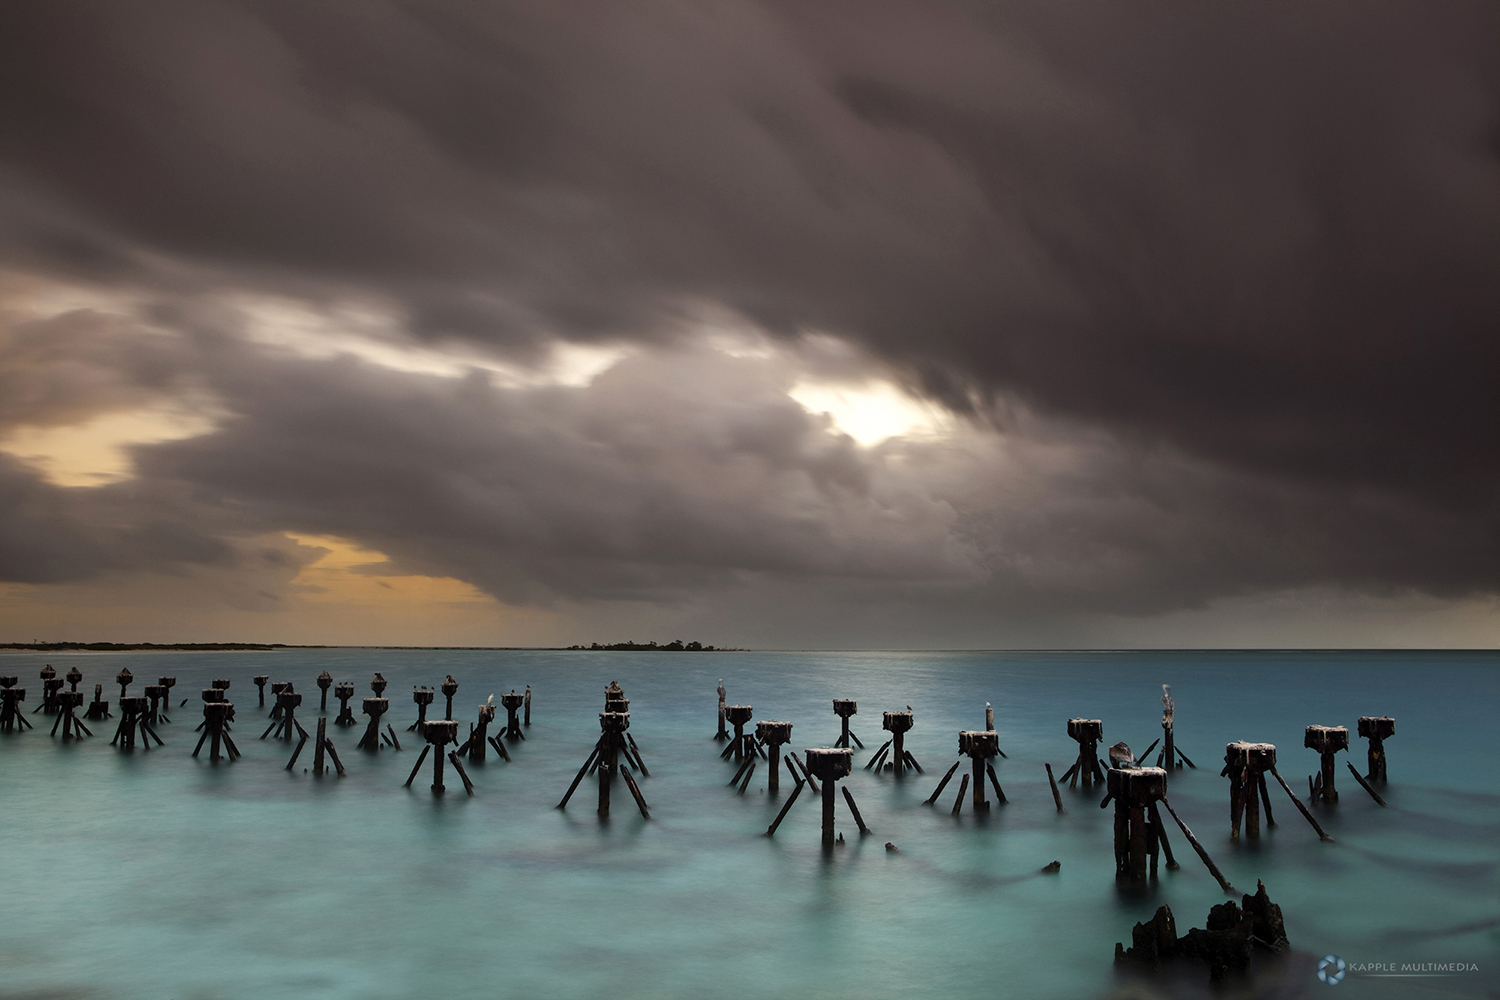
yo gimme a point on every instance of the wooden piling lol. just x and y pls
(944, 784)
(1208, 861)
(421, 759)
(463, 775)
(635, 792)
(1056, 795)
(963, 787)
(858, 819)
(1300, 807)
(319, 750)
(796, 791)
(1364, 784)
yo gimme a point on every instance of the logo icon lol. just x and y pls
(1331, 969)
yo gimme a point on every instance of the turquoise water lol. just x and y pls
(155, 875)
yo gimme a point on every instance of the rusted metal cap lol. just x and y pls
(829, 763)
(979, 742)
(1326, 739)
(771, 731)
(440, 731)
(1083, 730)
(897, 722)
(1136, 785)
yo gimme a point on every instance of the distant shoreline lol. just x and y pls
(270, 647)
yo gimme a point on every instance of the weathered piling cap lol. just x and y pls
(1326, 739)
(344, 690)
(157, 691)
(440, 731)
(1378, 727)
(47, 673)
(134, 703)
(213, 694)
(771, 731)
(75, 675)
(449, 686)
(219, 710)
(614, 722)
(420, 695)
(280, 686)
(8, 682)
(70, 699)
(514, 701)
(1136, 785)
(124, 676)
(53, 683)
(1083, 730)
(830, 763)
(166, 682)
(222, 683)
(738, 714)
(259, 680)
(613, 687)
(288, 698)
(325, 680)
(486, 712)
(979, 742)
(845, 707)
(376, 706)
(377, 684)
(897, 722)
(1260, 756)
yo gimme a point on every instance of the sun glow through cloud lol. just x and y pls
(873, 411)
(97, 452)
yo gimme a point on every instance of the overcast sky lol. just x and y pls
(856, 324)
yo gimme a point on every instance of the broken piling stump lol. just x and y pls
(11, 715)
(287, 703)
(844, 708)
(132, 720)
(898, 724)
(67, 705)
(478, 740)
(375, 708)
(1327, 741)
(1231, 936)
(438, 735)
(51, 684)
(343, 692)
(1138, 833)
(168, 682)
(156, 695)
(528, 704)
(217, 713)
(99, 707)
(828, 765)
(979, 746)
(1246, 764)
(1377, 729)
(277, 687)
(721, 735)
(773, 734)
(512, 703)
(1086, 733)
(422, 697)
(738, 715)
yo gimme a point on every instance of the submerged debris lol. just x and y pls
(1232, 935)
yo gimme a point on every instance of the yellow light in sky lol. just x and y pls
(96, 453)
(335, 577)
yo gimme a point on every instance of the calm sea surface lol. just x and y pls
(154, 875)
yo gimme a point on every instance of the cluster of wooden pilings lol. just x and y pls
(140, 715)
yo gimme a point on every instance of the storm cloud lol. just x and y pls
(1209, 290)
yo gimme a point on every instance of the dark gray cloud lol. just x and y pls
(1237, 260)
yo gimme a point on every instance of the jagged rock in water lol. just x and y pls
(1230, 937)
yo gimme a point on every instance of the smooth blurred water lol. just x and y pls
(152, 874)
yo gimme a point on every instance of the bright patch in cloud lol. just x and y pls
(335, 577)
(376, 337)
(873, 411)
(97, 452)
